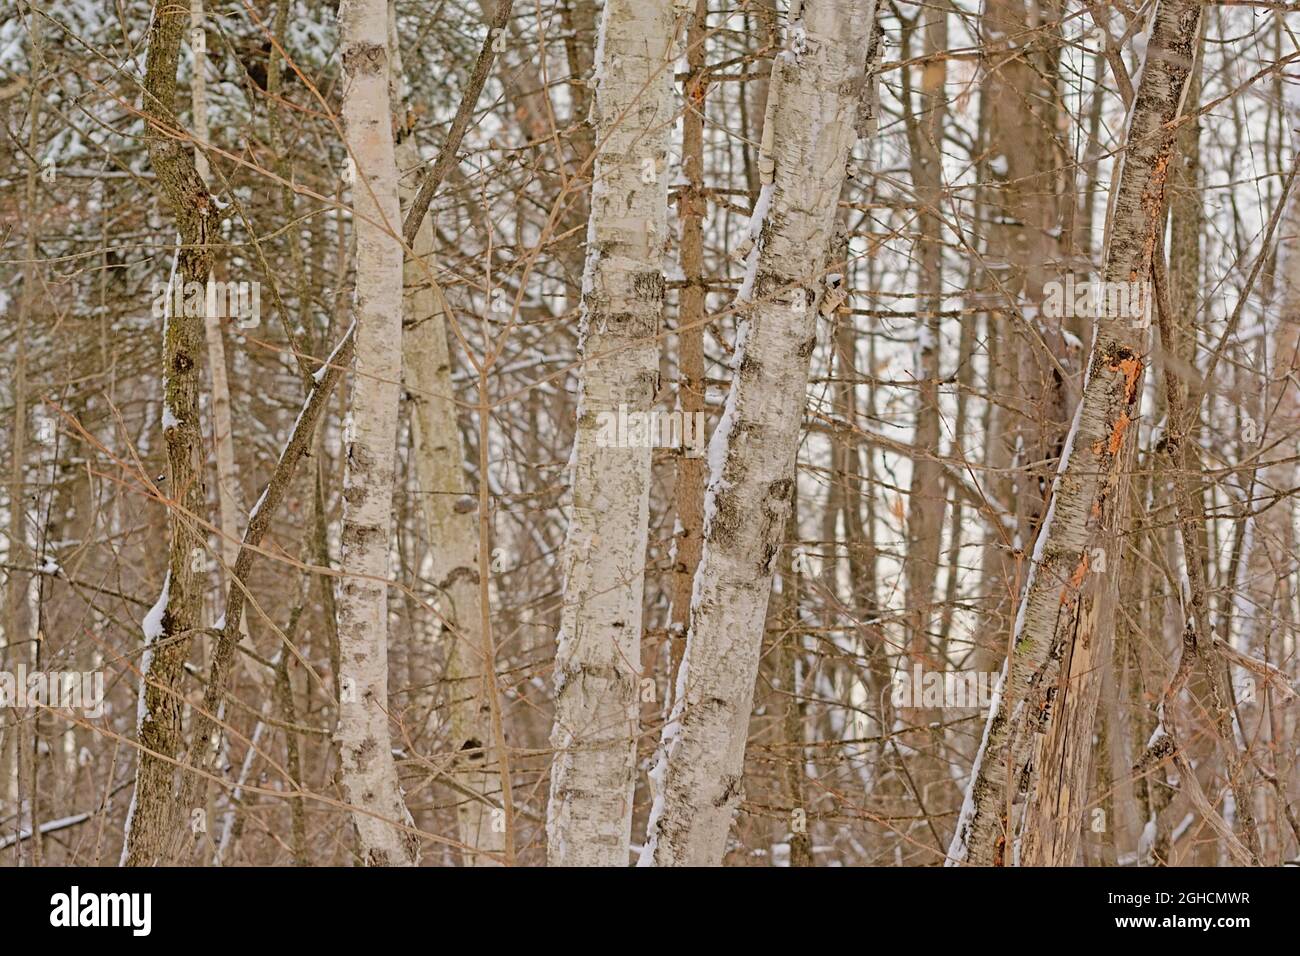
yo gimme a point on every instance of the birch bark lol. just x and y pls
(452, 535)
(598, 658)
(1069, 601)
(1062, 794)
(367, 773)
(692, 207)
(807, 134)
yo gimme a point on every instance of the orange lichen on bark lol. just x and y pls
(1153, 200)
(1131, 368)
(1117, 435)
(1076, 579)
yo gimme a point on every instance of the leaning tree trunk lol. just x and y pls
(1067, 612)
(367, 773)
(598, 658)
(169, 626)
(807, 135)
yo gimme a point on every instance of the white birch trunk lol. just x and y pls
(453, 534)
(807, 135)
(598, 656)
(1069, 600)
(367, 773)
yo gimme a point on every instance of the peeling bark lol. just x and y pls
(1067, 612)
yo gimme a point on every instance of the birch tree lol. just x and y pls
(808, 132)
(926, 428)
(692, 205)
(368, 774)
(598, 657)
(452, 530)
(1067, 611)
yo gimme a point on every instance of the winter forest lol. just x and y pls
(755, 433)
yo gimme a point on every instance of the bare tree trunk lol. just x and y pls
(598, 658)
(688, 537)
(925, 509)
(1178, 343)
(1020, 108)
(1271, 561)
(786, 705)
(170, 625)
(18, 631)
(807, 135)
(1069, 601)
(1061, 798)
(926, 500)
(222, 434)
(452, 533)
(368, 774)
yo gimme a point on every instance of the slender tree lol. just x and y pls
(807, 135)
(170, 624)
(598, 657)
(368, 774)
